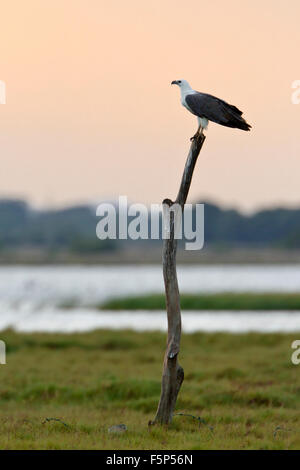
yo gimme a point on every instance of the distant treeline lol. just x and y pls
(74, 228)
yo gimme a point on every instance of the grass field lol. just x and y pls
(244, 386)
(221, 301)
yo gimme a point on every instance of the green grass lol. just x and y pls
(222, 301)
(244, 386)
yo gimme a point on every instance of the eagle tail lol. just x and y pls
(242, 124)
(235, 119)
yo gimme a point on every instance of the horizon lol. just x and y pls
(205, 200)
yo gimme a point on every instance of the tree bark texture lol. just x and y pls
(173, 374)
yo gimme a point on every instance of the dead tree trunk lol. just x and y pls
(173, 375)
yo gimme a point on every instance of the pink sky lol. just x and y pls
(90, 112)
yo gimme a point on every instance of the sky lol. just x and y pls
(90, 113)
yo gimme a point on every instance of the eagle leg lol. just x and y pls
(197, 135)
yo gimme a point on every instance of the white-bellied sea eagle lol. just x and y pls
(209, 108)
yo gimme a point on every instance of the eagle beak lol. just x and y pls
(174, 82)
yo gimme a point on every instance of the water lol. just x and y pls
(69, 321)
(32, 298)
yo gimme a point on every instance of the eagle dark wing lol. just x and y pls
(216, 110)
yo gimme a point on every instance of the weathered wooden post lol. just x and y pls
(173, 375)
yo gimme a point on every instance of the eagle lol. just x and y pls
(209, 108)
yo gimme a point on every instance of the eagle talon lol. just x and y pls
(197, 135)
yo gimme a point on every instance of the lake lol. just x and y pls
(34, 298)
